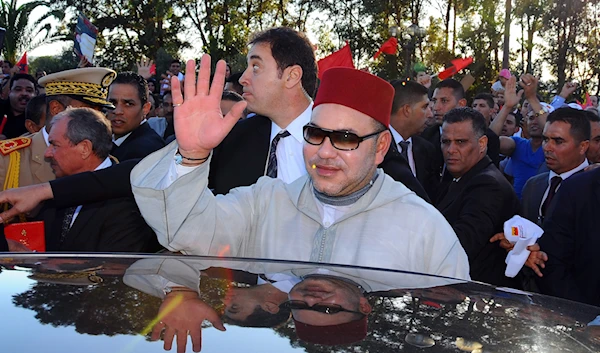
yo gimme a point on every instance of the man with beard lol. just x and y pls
(22, 89)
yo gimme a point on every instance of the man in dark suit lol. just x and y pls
(450, 94)
(479, 199)
(132, 136)
(80, 140)
(570, 242)
(410, 111)
(566, 138)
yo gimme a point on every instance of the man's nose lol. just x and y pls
(326, 150)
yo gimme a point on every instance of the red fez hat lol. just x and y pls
(332, 335)
(358, 90)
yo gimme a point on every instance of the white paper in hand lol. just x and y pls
(522, 233)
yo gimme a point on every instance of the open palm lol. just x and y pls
(199, 123)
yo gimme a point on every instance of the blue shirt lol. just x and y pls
(524, 163)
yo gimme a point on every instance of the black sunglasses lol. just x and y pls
(341, 140)
(329, 309)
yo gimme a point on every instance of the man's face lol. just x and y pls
(167, 105)
(533, 124)
(525, 108)
(64, 157)
(510, 126)
(461, 148)
(561, 150)
(262, 81)
(129, 111)
(151, 87)
(5, 68)
(175, 68)
(443, 101)
(420, 114)
(594, 100)
(593, 153)
(500, 98)
(339, 173)
(481, 106)
(20, 94)
(328, 291)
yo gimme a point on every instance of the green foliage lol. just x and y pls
(65, 61)
(23, 33)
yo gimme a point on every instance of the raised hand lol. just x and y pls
(567, 89)
(511, 96)
(199, 123)
(143, 68)
(530, 85)
(24, 199)
(180, 314)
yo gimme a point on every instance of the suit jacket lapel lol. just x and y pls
(85, 214)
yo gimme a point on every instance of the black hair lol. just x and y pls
(131, 78)
(406, 92)
(458, 90)
(518, 116)
(460, 114)
(262, 318)
(36, 108)
(175, 61)
(290, 47)
(231, 96)
(488, 98)
(578, 119)
(22, 77)
(234, 79)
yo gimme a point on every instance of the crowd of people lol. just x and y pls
(271, 163)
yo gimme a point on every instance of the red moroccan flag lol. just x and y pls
(340, 58)
(23, 64)
(457, 65)
(390, 46)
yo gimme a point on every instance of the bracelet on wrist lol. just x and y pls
(179, 158)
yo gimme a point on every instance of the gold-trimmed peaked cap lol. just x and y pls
(87, 84)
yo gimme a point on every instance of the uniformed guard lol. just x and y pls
(22, 159)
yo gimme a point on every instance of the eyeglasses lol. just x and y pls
(328, 309)
(341, 140)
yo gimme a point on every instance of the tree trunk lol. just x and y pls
(447, 24)
(506, 47)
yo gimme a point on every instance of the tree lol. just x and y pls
(22, 34)
(64, 61)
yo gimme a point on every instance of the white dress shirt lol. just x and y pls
(564, 176)
(122, 139)
(290, 161)
(411, 159)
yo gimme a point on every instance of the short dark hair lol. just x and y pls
(290, 47)
(460, 114)
(488, 98)
(518, 116)
(131, 78)
(578, 119)
(88, 124)
(406, 92)
(175, 61)
(591, 117)
(262, 318)
(234, 79)
(458, 90)
(22, 77)
(10, 64)
(36, 107)
(231, 96)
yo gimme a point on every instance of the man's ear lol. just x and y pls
(292, 76)
(31, 126)
(55, 107)
(483, 142)
(270, 307)
(383, 144)
(85, 149)
(364, 306)
(146, 108)
(462, 102)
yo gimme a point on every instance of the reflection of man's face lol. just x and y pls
(239, 306)
(328, 291)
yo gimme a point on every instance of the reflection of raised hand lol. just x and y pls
(143, 68)
(182, 312)
(15, 246)
(199, 123)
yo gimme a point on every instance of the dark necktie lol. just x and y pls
(404, 147)
(272, 165)
(554, 183)
(66, 224)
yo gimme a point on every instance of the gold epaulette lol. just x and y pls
(9, 146)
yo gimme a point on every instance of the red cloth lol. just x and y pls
(340, 58)
(23, 64)
(457, 65)
(333, 335)
(390, 46)
(358, 90)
